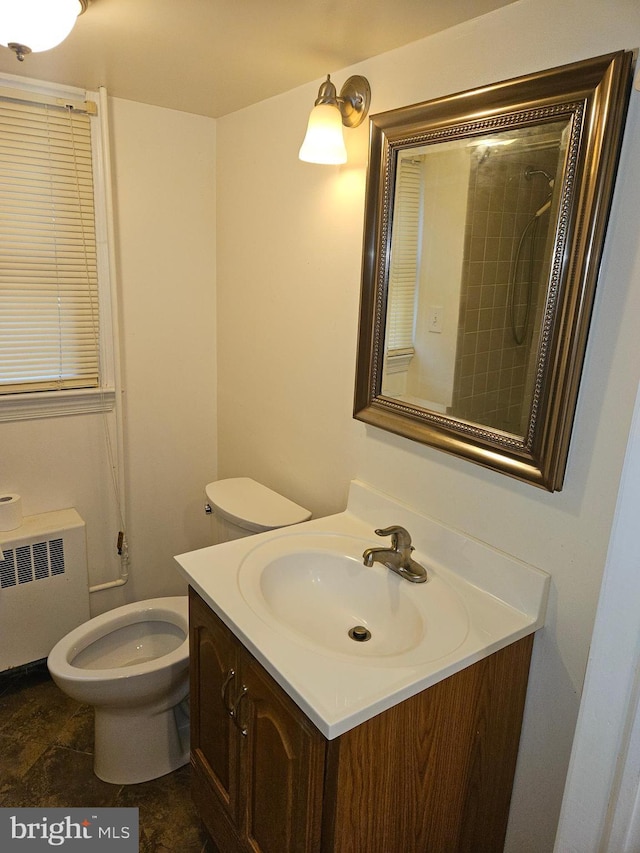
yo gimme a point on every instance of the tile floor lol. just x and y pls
(46, 759)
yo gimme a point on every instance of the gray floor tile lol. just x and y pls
(46, 759)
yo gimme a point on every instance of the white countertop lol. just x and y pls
(504, 599)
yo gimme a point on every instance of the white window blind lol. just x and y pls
(404, 260)
(49, 328)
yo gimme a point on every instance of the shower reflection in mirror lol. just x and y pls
(473, 229)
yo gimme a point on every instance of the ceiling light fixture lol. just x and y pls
(31, 26)
(324, 142)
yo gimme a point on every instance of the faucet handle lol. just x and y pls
(400, 538)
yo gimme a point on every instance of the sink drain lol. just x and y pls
(360, 633)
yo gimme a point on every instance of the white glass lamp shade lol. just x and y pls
(37, 24)
(324, 142)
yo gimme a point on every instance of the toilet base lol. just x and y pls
(135, 747)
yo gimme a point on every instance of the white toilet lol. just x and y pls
(241, 507)
(132, 663)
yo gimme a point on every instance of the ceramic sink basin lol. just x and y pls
(291, 595)
(315, 588)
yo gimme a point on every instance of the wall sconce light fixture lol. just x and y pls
(324, 142)
(31, 26)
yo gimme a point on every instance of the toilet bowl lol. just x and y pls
(132, 665)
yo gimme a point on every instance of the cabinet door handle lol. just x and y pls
(235, 711)
(223, 691)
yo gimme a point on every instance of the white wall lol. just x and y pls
(601, 805)
(164, 183)
(164, 164)
(446, 189)
(289, 243)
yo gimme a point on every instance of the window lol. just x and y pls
(55, 318)
(404, 259)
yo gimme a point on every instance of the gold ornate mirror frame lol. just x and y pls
(584, 106)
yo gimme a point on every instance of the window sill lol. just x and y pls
(52, 404)
(398, 362)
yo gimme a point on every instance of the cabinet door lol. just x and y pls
(283, 759)
(214, 684)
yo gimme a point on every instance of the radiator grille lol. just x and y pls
(28, 563)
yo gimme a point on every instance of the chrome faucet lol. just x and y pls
(398, 557)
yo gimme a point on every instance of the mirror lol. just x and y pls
(484, 222)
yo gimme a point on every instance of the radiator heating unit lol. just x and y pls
(44, 585)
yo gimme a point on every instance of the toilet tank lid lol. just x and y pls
(253, 506)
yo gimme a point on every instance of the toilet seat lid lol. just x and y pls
(253, 506)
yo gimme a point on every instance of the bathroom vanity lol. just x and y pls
(304, 740)
(433, 773)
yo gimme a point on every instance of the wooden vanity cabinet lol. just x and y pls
(258, 761)
(431, 775)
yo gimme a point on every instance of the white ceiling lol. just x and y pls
(211, 57)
